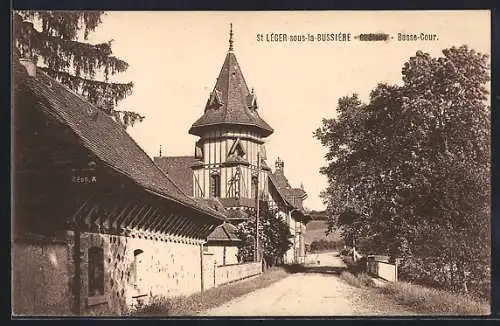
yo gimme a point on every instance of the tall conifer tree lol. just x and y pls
(57, 45)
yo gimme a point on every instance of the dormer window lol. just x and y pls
(215, 101)
(252, 101)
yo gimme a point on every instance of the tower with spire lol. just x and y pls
(231, 143)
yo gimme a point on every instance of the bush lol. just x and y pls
(355, 267)
(345, 252)
(432, 301)
(431, 272)
(157, 305)
(365, 279)
(360, 280)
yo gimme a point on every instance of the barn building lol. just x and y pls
(97, 226)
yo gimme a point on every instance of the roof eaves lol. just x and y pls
(195, 126)
(80, 139)
(280, 192)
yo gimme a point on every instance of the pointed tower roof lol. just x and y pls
(231, 103)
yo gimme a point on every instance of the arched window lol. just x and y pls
(215, 185)
(96, 271)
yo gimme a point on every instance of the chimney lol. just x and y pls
(27, 59)
(29, 65)
(279, 165)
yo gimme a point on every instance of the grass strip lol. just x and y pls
(423, 300)
(211, 298)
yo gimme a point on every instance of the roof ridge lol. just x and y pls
(175, 156)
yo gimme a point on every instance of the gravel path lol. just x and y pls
(316, 292)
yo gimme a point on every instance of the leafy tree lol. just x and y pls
(57, 48)
(408, 172)
(274, 235)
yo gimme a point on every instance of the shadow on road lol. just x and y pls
(332, 270)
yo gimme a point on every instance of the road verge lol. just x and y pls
(214, 297)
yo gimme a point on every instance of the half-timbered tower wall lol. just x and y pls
(235, 179)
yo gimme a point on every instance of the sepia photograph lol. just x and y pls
(251, 163)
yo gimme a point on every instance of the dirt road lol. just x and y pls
(316, 292)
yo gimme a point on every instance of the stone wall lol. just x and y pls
(382, 268)
(165, 268)
(215, 275)
(135, 268)
(40, 279)
(209, 266)
(387, 271)
(231, 254)
(231, 273)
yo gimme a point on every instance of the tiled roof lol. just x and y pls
(292, 196)
(101, 135)
(225, 232)
(237, 202)
(178, 168)
(230, 102)
(213, 203)
(236, 214)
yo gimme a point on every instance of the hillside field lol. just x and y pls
(315, 230)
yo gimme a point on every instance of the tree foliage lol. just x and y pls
(57, 49)
(409, 172)
(274, 236)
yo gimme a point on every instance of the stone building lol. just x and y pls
(229, 161)
(223, 244)
(97, 226)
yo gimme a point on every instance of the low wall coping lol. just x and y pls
(240, 264)
(37, 239)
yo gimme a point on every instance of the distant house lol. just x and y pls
(97, 226)
(289, 202)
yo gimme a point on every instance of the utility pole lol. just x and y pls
(257, 210)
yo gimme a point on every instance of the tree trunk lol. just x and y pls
(452, 280)
(462, 276)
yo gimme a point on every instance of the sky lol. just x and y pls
(175, 58)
